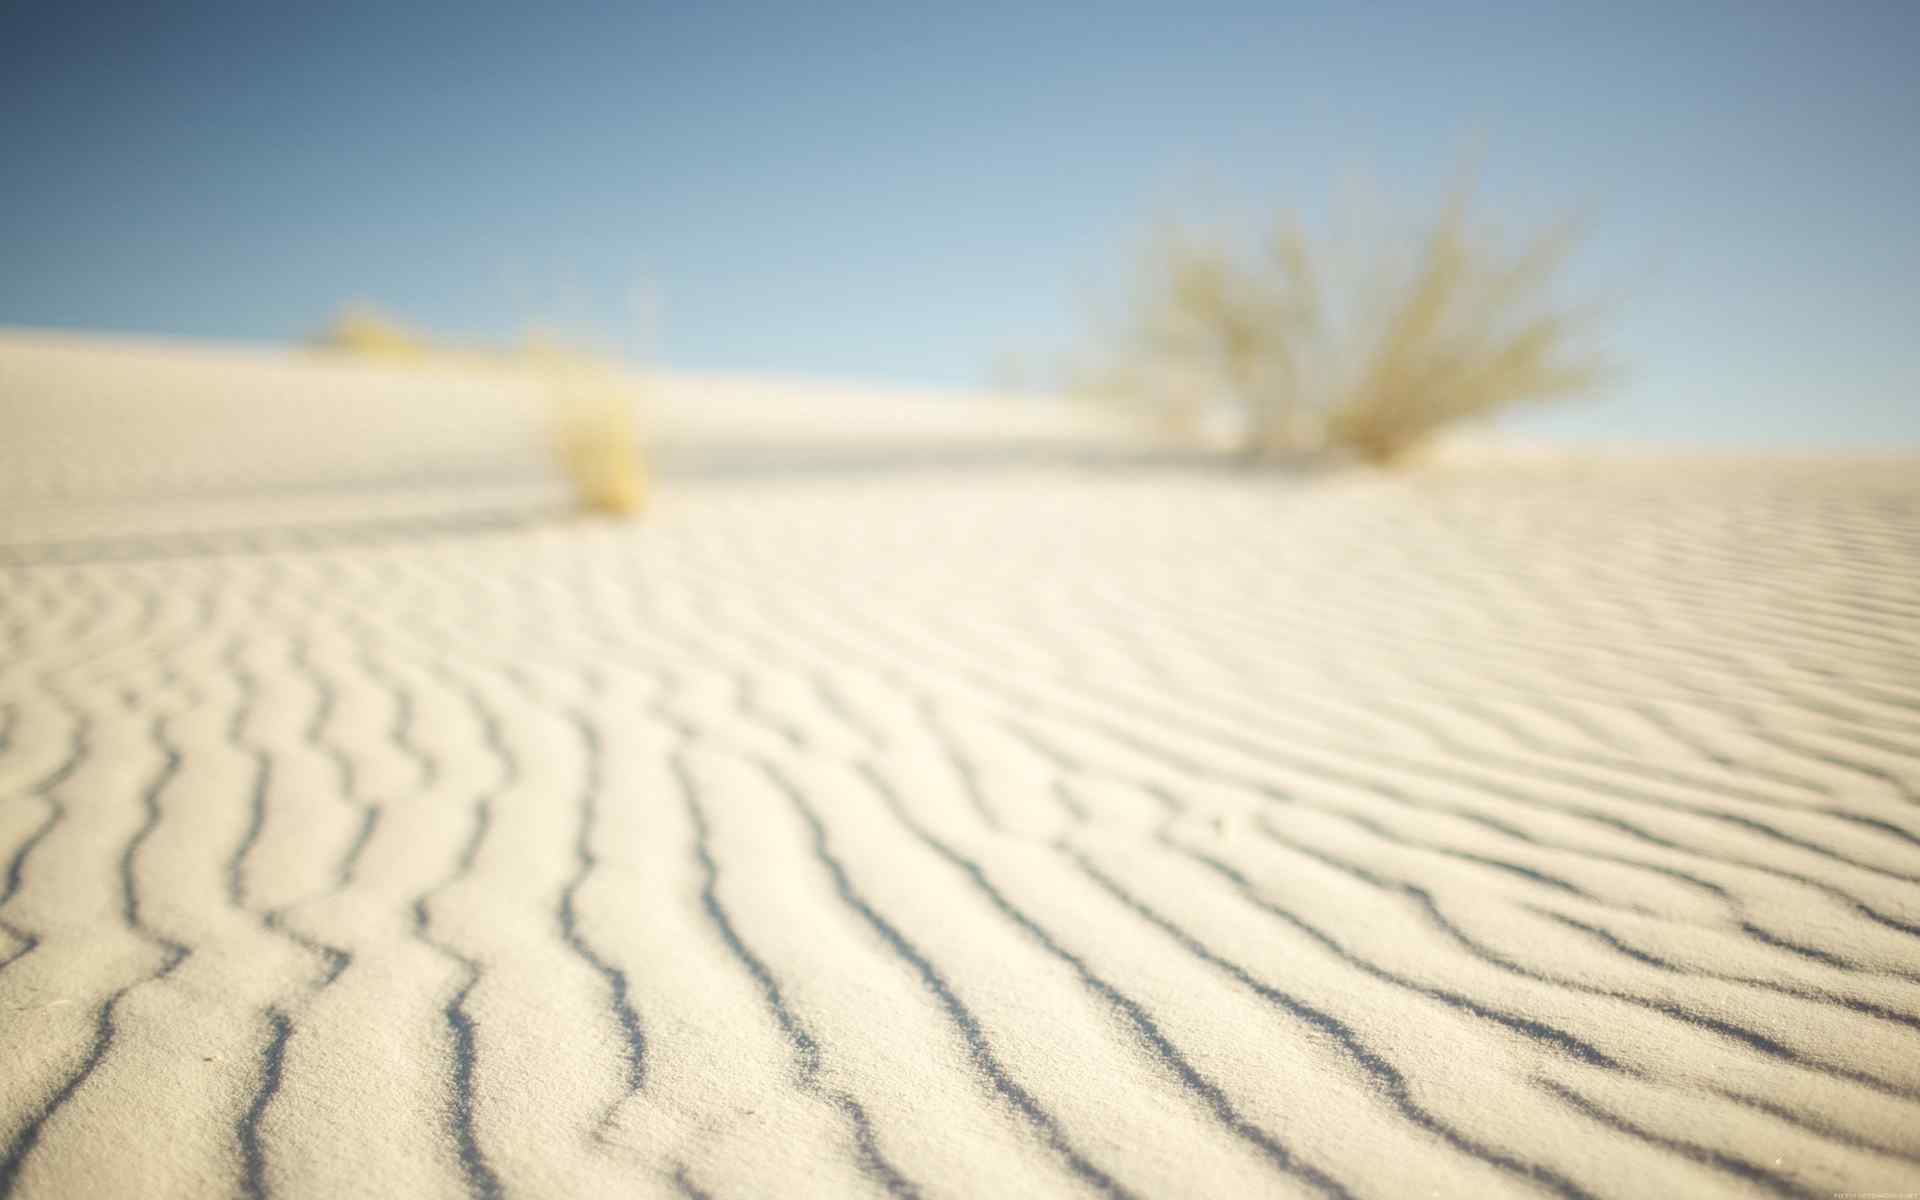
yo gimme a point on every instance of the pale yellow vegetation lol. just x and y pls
(1299, 349)
(591, 404)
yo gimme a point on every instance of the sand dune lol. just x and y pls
(991, 824)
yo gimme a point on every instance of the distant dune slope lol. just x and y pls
(976, 828)
(108, 436)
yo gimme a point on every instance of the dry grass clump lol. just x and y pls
(366, 333)
(591, 404)
(596, 434)
(1298, 350)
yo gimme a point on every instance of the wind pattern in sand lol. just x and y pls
(1492, 830)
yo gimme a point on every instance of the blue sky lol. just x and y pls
(913, 192)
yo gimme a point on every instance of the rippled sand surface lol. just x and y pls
(956, 823)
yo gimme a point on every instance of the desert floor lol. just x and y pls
(1021, 814)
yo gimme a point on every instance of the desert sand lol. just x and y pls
(931, 797)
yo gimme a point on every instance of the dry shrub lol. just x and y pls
(595, 431)
(366, 333)
(591, 403)
(1298, 349)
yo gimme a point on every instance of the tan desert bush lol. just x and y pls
(1298, 348)
(366, 333)
(595, 432)
(591, 405)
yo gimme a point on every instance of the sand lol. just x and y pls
(1017, 815)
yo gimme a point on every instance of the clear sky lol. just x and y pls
(914, 191)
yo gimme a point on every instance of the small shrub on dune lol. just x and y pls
(1294, 350)
(591, 405)
(595, 433)
(367, 333)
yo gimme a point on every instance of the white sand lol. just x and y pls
(980, 826)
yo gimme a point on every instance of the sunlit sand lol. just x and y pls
(931, 796)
